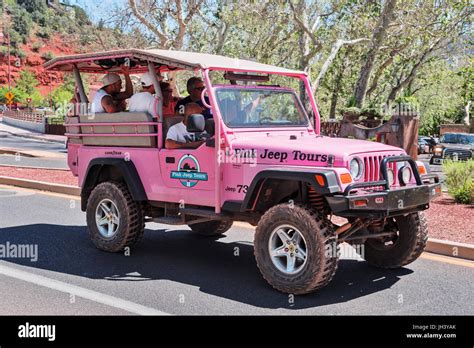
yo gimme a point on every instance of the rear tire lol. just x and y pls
(211, 228)
(296, 249)
(408, 246)
(115, 221)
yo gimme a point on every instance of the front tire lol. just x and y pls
(115, 221)
(404, 248)
(296, 249)
(211, 228)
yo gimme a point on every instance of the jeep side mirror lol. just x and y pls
(196, 123)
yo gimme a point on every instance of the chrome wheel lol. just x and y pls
(287, 248)
(107, 218)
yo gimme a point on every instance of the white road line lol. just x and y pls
(79, 291)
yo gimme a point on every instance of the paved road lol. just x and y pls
(174, 271)
(434, 168)
(40, 162)
(55, 152)
(18, 142)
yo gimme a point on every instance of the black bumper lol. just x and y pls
(376, 199)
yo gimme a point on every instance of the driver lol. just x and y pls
(231, 112)
(178, 137)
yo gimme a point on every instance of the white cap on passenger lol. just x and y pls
(146, 79)
(110, 79)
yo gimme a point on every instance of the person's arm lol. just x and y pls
(109, 105)
(173, 144)
(128, 85)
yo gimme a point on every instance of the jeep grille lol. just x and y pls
(462, 154)
(372, 167)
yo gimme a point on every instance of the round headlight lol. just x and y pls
(405, 175)
(356, 168)
(390, 176)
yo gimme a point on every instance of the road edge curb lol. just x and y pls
(33, 167)
(435, 246)
(34, 136)
(452, 249)
(41, 185)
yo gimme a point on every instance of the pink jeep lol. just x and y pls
(262, 161)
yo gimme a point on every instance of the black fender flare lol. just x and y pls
(331, 184)
(129, 173)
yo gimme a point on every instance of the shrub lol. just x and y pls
(371, 111)
(18, 52)
(81, 16)
(48, 55)
(32, 5)
(61, 96)
(36, 98)
(460, 180)
(36, 46)
(352, 110)
(27, 82)
(44, 33)
(22, 21)
(15, 39)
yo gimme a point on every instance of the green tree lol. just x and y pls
(61, 96)
(27, 82)
(20, 96)
(32, 5)
(22, 22)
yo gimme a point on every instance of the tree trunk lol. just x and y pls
(467, 109)
(378, 36)
(303, 47)
(337, 88)
(332, 55)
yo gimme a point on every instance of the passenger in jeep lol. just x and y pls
(178, 137)
(110, 98)
(145, 100)
(195, 86)
(169, 101)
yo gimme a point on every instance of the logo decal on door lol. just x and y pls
(189, 172)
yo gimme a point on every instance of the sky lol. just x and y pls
(97, 9)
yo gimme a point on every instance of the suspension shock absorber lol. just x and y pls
(315, 199)
(377, 225)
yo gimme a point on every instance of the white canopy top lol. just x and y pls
(167, 59)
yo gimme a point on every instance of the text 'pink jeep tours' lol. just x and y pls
(263, 161)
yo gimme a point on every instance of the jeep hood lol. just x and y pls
(300, 148)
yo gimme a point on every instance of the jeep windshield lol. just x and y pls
(260, 107)
(453, 138)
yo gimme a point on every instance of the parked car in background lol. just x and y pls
(455, 146)
(423, 145)
(426, 144)
(43, 109)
